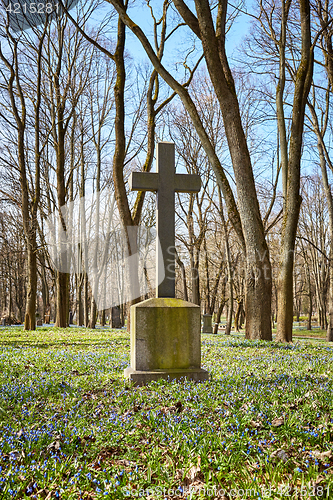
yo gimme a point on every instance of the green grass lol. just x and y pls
(72, 428)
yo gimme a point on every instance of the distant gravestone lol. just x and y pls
(115, 321)
(207, 323)
(165, 331)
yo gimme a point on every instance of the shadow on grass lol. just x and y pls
(96, 345)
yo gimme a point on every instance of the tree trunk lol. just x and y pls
(258, 290)
(329, 200)
(62, 285)
(183, 274)
(45, 288)
(102, 318)
(309, 325)
(238, 316)
(229, 268)
(85, 300)
(79, 305)
(195, 279)
(292, 198)
(230, 312)
(30, 310)
(218, 315)
(330, 304)
(250, 230)
(29, 206)
(328, 53)
(207, 305)
(93, 313)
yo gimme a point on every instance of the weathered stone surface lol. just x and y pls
(207, 323)
(165, 341)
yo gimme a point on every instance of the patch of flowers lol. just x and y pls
(72, 427)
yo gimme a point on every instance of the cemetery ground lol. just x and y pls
(73, 428)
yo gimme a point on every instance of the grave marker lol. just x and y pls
(115, 317)
(165, 331)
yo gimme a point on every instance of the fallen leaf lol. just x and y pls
(193, 472)
(54, 446)
(322, 456)
(256, 425)
(15, 454)
(281, 455)
(277, 422)
(44, 493)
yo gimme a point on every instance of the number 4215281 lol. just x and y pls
(32, 8)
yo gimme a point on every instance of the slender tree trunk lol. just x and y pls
(62, 278)
(30, 311)
(85, 300)
(230, 273)
(80, 317)
(93, 313)
(309, 325)
(330, 304)
(62, 314)
(219, 314)
(292, 196)
(29, 206)
(183, 273)
(230, 311)
(329, 200)
(238, 316)
(207, 287)
(194, 261)
(45, 288)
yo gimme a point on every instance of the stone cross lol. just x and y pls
(166, 183)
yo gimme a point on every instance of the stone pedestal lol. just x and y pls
(165, 341)
(207, 323)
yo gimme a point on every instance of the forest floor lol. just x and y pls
(71, 427)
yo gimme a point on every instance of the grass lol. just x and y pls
(314, 333)
(72, 428)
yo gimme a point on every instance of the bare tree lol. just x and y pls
(17, 91)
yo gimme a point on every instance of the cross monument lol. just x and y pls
(165, 331)
(165, 182)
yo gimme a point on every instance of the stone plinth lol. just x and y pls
(207, 323)
(165, 341)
